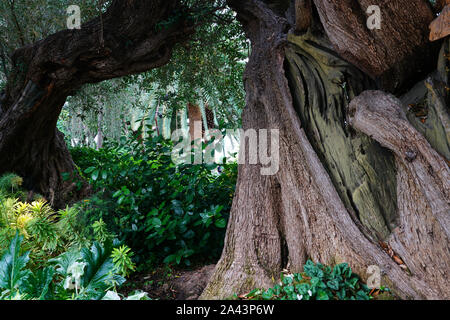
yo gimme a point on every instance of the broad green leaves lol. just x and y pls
(317, 282)
(12, 266)
(162, 211)
(88, 274)
(37, 285)
(98, 275)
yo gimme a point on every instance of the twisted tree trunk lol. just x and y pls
(128, 40)
(357, 183)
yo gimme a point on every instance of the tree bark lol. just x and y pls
(340, 195)
(48, 71)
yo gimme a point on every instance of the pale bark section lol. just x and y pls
(322, 85)
(422, 238)
(440, 27)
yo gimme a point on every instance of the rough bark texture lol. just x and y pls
(296, 84)
(328, 202)
(386, 54)
(440, 27)
(303, 15)
(423, 187)
(46, 72)
(426, 105)
(322, 85)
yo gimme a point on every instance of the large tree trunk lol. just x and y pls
(355, 178)
(126, 41)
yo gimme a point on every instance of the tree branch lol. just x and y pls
(16, 22)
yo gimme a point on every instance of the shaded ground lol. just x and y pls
(167, 284)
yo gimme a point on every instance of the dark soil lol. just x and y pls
(167, 284)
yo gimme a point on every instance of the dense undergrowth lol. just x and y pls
(167, 213)
(145, 212)
(54, 255)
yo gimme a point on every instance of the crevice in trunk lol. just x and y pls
(322, 85)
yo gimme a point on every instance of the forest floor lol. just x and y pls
(174, 285)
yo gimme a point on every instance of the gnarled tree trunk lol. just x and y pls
(126, 41)
(356, 178)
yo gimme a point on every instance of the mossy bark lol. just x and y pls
(322, 85)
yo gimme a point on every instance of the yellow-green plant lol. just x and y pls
(40, 208)
(34, 221)
(47, 233)
(101, 233)
(121, 258)
(7, 211)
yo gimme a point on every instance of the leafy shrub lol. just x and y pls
(162, 211)
(35, 221)
(47, 234)
(317, 282)
(86, 274)
(11, 187)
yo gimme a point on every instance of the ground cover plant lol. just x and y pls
(317, 282)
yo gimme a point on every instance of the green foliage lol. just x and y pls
(122, 260)
(12, 264)
(38, 284)
(101, 233)
(35, 222)
(74, 227)
(46, 233)
(162, 211)
(10, 183)
(86, 274)
(209, 69)
(317, 282)
(99, 274)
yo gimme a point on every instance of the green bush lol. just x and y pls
(86, 274)
(317, 282)
(46, 233)
(164, 212)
